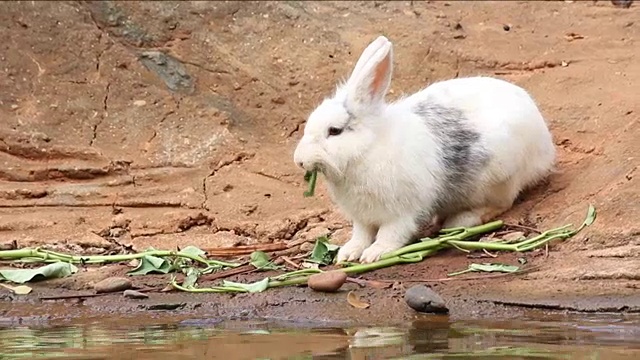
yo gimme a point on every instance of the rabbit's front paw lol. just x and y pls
(352, 250)
(376, 250)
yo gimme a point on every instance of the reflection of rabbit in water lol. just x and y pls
(457, 152)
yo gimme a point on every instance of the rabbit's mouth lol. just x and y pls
(330, 172)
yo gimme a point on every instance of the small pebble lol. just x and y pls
(422, 299)
(329, 281)
(112, 284)
(506, 27)
(132, 294)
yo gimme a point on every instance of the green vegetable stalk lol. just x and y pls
(311, 177)
(413, 253)
(323, 253)
(48, 256)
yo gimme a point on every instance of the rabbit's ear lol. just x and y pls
(367, 53)
(371, 76)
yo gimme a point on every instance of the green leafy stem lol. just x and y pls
(449, 238)
(323, 254)
(311, 177)
(43, 255)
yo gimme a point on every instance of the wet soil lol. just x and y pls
(129, 125)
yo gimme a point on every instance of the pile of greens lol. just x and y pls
(193, 262)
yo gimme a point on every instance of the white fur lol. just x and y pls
(387, 171)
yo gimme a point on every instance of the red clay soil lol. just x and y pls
(128, 125)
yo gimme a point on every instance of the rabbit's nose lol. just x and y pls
(300, 164)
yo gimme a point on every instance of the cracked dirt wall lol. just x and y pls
(137, 124)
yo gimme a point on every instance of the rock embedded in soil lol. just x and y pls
(132, 294)
(329, 281)
(112, 284)
(625, 4)
(423, 299)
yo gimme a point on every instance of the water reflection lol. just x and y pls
(540, 337)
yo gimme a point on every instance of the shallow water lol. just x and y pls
(538, 336)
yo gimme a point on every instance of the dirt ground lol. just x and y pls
(128, 125)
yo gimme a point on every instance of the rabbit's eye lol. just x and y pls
(333, 131)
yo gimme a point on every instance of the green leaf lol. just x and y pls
(51, 271)
(323, 251)
(260, 260)
(258, 286)
(149, 264)
(19, 290)
(193, 251)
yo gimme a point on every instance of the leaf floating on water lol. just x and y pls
(51, 271)
(149, 264)
(354, 301)
(324, 252)
(18, 290)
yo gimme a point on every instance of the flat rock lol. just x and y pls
(423, 299)
(112, 284)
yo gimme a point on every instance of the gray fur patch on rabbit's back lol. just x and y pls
(463, 155)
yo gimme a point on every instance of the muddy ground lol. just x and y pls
(128, 125)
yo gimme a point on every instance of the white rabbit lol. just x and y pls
(458, 152)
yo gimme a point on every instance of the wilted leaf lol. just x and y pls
(19, 290)
(193, 251)
(591, 216)
(487, 267)
(354, 301)
(323, 251)
(260, 260)
(149, 264)
(191, 277)
(310, 265)
(513, 237)
(54, 270)
(494, 267)
(258, 286)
